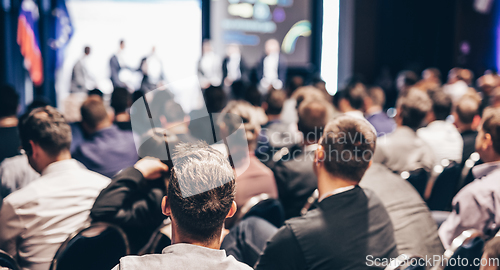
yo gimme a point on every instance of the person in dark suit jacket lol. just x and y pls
(351, 228)
(272, 69)
(293, 172)
(233, 66)
(107, 150)
(115, 67)
(414, 229)
(467, 119)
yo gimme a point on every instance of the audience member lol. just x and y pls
(275, 134)
(37, 219)
(256, 178)
(294, 171)
(374, 104)
(487, 83)
(215, 100)
(466, 115)
(431, 79)
(405, 80)
(350, 224)
(197, 218)
(403, 150)
(121, 100)
(491, 255)
(414, 229)
(9, 138)
(456, 87)
(290, 106)
(441, 135)
(15, 173)
(105, 142)
(475, 205)
(133, 201)
(351, 100)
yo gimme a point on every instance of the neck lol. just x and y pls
(373, 109)
(122, 117)
(179, 237)
(101, 126)
(63, 155)
(9, 121)
(328, 183)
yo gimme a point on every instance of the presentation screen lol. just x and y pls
(172, 27)
(251, 22)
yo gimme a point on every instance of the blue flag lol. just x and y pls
(64, 31)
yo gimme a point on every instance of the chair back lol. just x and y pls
(468, 245)
(265, 207)
(445, 187)
(418, 179)
(6, 261)
(97, 246)
(160, 239)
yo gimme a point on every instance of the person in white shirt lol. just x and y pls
(209, 67)
(81, 79)
(442, 136)
(37, 219)
(273, 68)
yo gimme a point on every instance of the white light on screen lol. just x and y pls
(330, 46)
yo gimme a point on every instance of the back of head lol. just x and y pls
(467, 108)
(93, 112)
(46, 127)
(348, 144)
(406, 78)
(9, 101)
(308, 92)
(230, 119)
(492, 252)
(413, 107)
(174, 112)
(275, 100)
(200, 191)
(96, 92)
(355, 95)
(215, 99)
(120, 99)
(313, 116)
(432, 73)
(441, 104)
(377, 96)
(491, 125)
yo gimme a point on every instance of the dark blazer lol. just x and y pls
(132, 203)
(282, 69)
(295, 179)
(243, 69)
(414, 228)
(115, 68)
(342, 233)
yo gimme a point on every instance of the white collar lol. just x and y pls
(336, 191)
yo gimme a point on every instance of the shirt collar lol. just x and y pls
(63, 165)
(482, 170)
(336, 191)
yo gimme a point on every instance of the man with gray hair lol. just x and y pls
(200, 196)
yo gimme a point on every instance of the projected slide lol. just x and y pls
(251, 22)
(173, 27)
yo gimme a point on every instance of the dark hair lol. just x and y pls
(95, 92)
(467, 108)
(413, 107)
(93, 112)
(347, 134)
(9, 101)
(491, 125)
(441, 104)
(46, 127)
(120, 99)
(122, 41)
(275, 100)
(253, 96)
(201, 190)
(313, 116)
(86, 50)
(174, 112)
(410, 77)
(355, 95)
(215, 99)
(492, 249)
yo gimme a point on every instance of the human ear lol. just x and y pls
(232, 210)
(165, 207)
